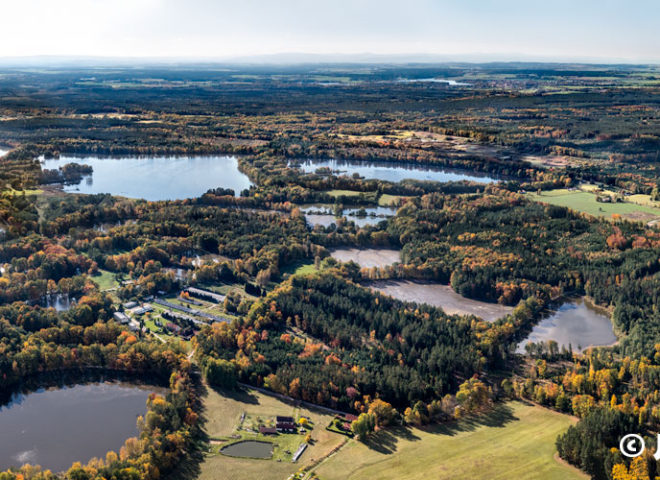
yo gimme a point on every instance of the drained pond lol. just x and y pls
(575, 323)
(249, 449)
(394, 172)
(155, 177)
(367, 257)
(441, 296)
(56, 427)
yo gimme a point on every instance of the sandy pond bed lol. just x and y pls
(368, 257)
(441, 296)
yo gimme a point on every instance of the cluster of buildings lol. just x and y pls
(282, 425)
(181, 320)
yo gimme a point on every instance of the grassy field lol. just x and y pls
(386, 200)
(346, 193)
(586, 202)
(515, 441)
(223, 411)
(302, 267)
(369, 196)
(105, 279)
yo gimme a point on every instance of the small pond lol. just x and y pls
(324, 216)
(59, 301)
(575, 323)
(56, 427)
(442, 296)
(367, 257)
(394, 172)
(156, 177)
(249, 449)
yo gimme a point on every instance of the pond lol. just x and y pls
(441, 296)
(59, 301)
(249, 449)
(323, 215)
(56, 427)
(156, 177)
(394, 172)
(575, 323)
(368, 257)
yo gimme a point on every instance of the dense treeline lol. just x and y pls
(351, 343)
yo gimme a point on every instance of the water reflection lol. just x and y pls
(56, 427)
(575, 323)
(394, 172)
(156, 178)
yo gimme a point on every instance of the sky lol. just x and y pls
(558, 30)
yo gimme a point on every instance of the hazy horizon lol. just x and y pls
(220, 31)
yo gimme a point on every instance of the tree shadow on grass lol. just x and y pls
(498, 417)
(239, 395)
(385, 441)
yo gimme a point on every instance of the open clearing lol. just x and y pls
(105, 279)
(586, 202)
(223, 411)
(514, 441)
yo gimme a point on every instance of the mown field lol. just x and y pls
(223, 411)
(515, 441)
(586, 202)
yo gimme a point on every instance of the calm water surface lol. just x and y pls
(394, 172)
(323, 215)
(156, 178)
(575, 323)
(249, 449)
(60, 302)
(56, 427)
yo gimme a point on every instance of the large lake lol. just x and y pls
(575, 323)
(56, 427)
(441, 296)
(156, 178)
(394, 172)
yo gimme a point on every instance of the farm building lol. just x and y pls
(205, 294)
(121, 317)
(287, 427)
